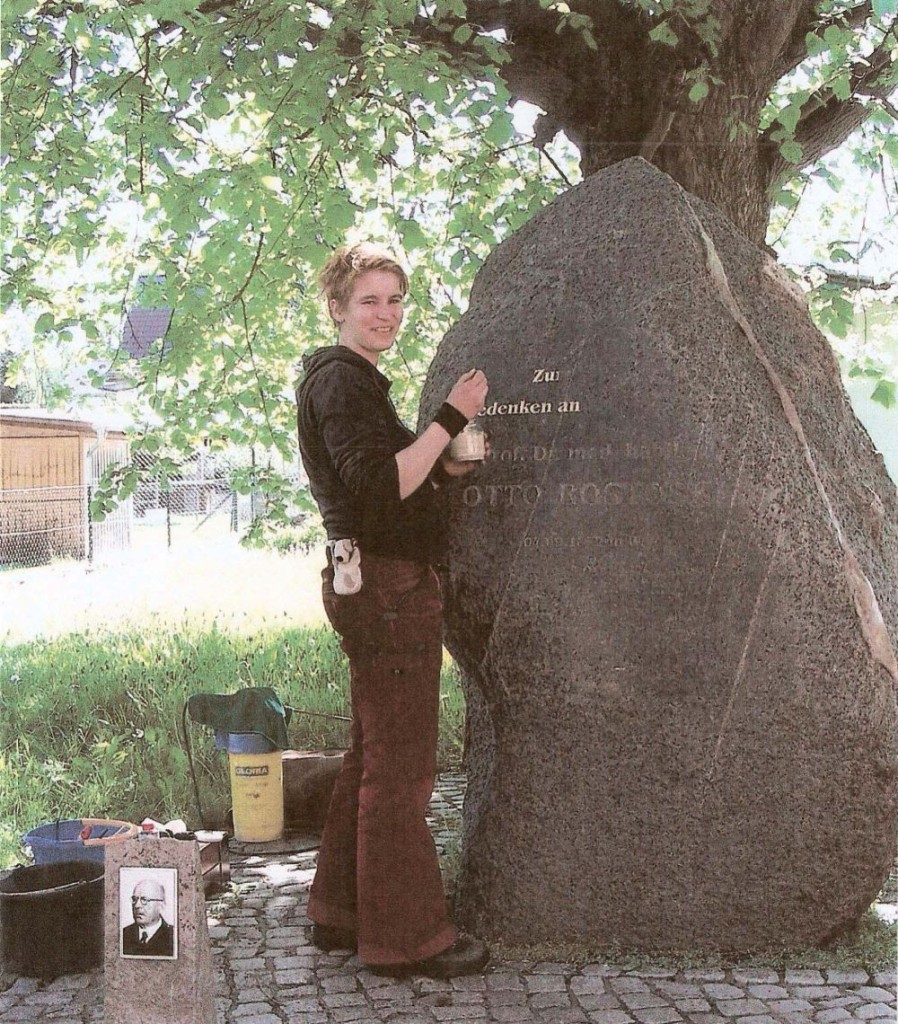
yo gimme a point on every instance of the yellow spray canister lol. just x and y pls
(257, 791)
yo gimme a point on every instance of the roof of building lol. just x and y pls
(143, 326)
(67, 422)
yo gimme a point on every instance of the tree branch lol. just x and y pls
(853, 282)
(797, 49)
(865, 75)
(239, 294)
(827, 127)
(828, 120)
(490, 15)
(537, 70)
(65, 10)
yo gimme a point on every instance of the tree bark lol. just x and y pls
(630, 95)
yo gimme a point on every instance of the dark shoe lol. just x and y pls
(327, 939)
(465, 956)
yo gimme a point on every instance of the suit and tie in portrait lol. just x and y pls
(150, 934)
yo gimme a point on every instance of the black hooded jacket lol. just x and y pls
(349, 433)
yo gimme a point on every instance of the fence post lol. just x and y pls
(235, 521)
(90, 528)
(168, 518)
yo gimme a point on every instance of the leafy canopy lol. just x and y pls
(207, 157)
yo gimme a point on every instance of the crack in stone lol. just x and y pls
(866, 605)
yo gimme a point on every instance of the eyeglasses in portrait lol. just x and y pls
(148, 907)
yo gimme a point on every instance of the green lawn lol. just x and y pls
(90, 722)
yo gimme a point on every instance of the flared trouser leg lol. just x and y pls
(378, 872)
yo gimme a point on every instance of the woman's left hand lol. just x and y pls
(455, 467)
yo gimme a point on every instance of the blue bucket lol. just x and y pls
(61, 840)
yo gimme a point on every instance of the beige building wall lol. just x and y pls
(44, 470)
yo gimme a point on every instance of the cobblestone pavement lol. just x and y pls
(269, 973)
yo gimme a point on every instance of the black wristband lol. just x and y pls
(450, 419)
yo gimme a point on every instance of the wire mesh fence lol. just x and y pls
(202, 503)
(39, 525)
(43, 524)
(211, 495)
(190, 511)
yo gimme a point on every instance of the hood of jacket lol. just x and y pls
(321, 357)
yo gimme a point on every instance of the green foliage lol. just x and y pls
(90, 723)
(663, 33)
(289, 538)
(679, 18)
(885, 390)
(842, 224)
(698, 91)
(222, 160)
(835, 313)
(209, 163)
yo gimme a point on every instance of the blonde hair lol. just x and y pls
(349, 262)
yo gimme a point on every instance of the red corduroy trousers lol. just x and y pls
(378, 873)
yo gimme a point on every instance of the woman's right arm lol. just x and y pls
(353, 429)
(416, 462)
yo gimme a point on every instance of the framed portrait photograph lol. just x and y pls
(148, 913)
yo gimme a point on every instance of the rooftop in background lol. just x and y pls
(75, 420)
(142, 327)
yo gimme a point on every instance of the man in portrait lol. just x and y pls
(150, 934)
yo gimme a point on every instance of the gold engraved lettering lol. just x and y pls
(578, 544)
(520, 408)
(601, 495)
(610, 494)
(615, 494)
(541, 453)
(546, 376)
(501, 495)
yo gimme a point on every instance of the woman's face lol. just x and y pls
(370, 319)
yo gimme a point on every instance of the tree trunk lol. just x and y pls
(630, 95)
(696, 150)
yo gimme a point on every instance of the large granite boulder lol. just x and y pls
(667, 590)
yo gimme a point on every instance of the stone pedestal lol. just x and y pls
(667, 590)
(175, 984)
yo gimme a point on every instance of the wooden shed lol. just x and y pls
(48, 462)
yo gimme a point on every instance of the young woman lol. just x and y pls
(377, 887)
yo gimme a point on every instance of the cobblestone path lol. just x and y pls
(269, 973)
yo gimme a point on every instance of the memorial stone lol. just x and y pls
(671, 590)
(170, 977)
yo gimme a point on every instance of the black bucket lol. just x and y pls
(51, 919)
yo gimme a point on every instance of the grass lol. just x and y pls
(90, 722)
(871, 946)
